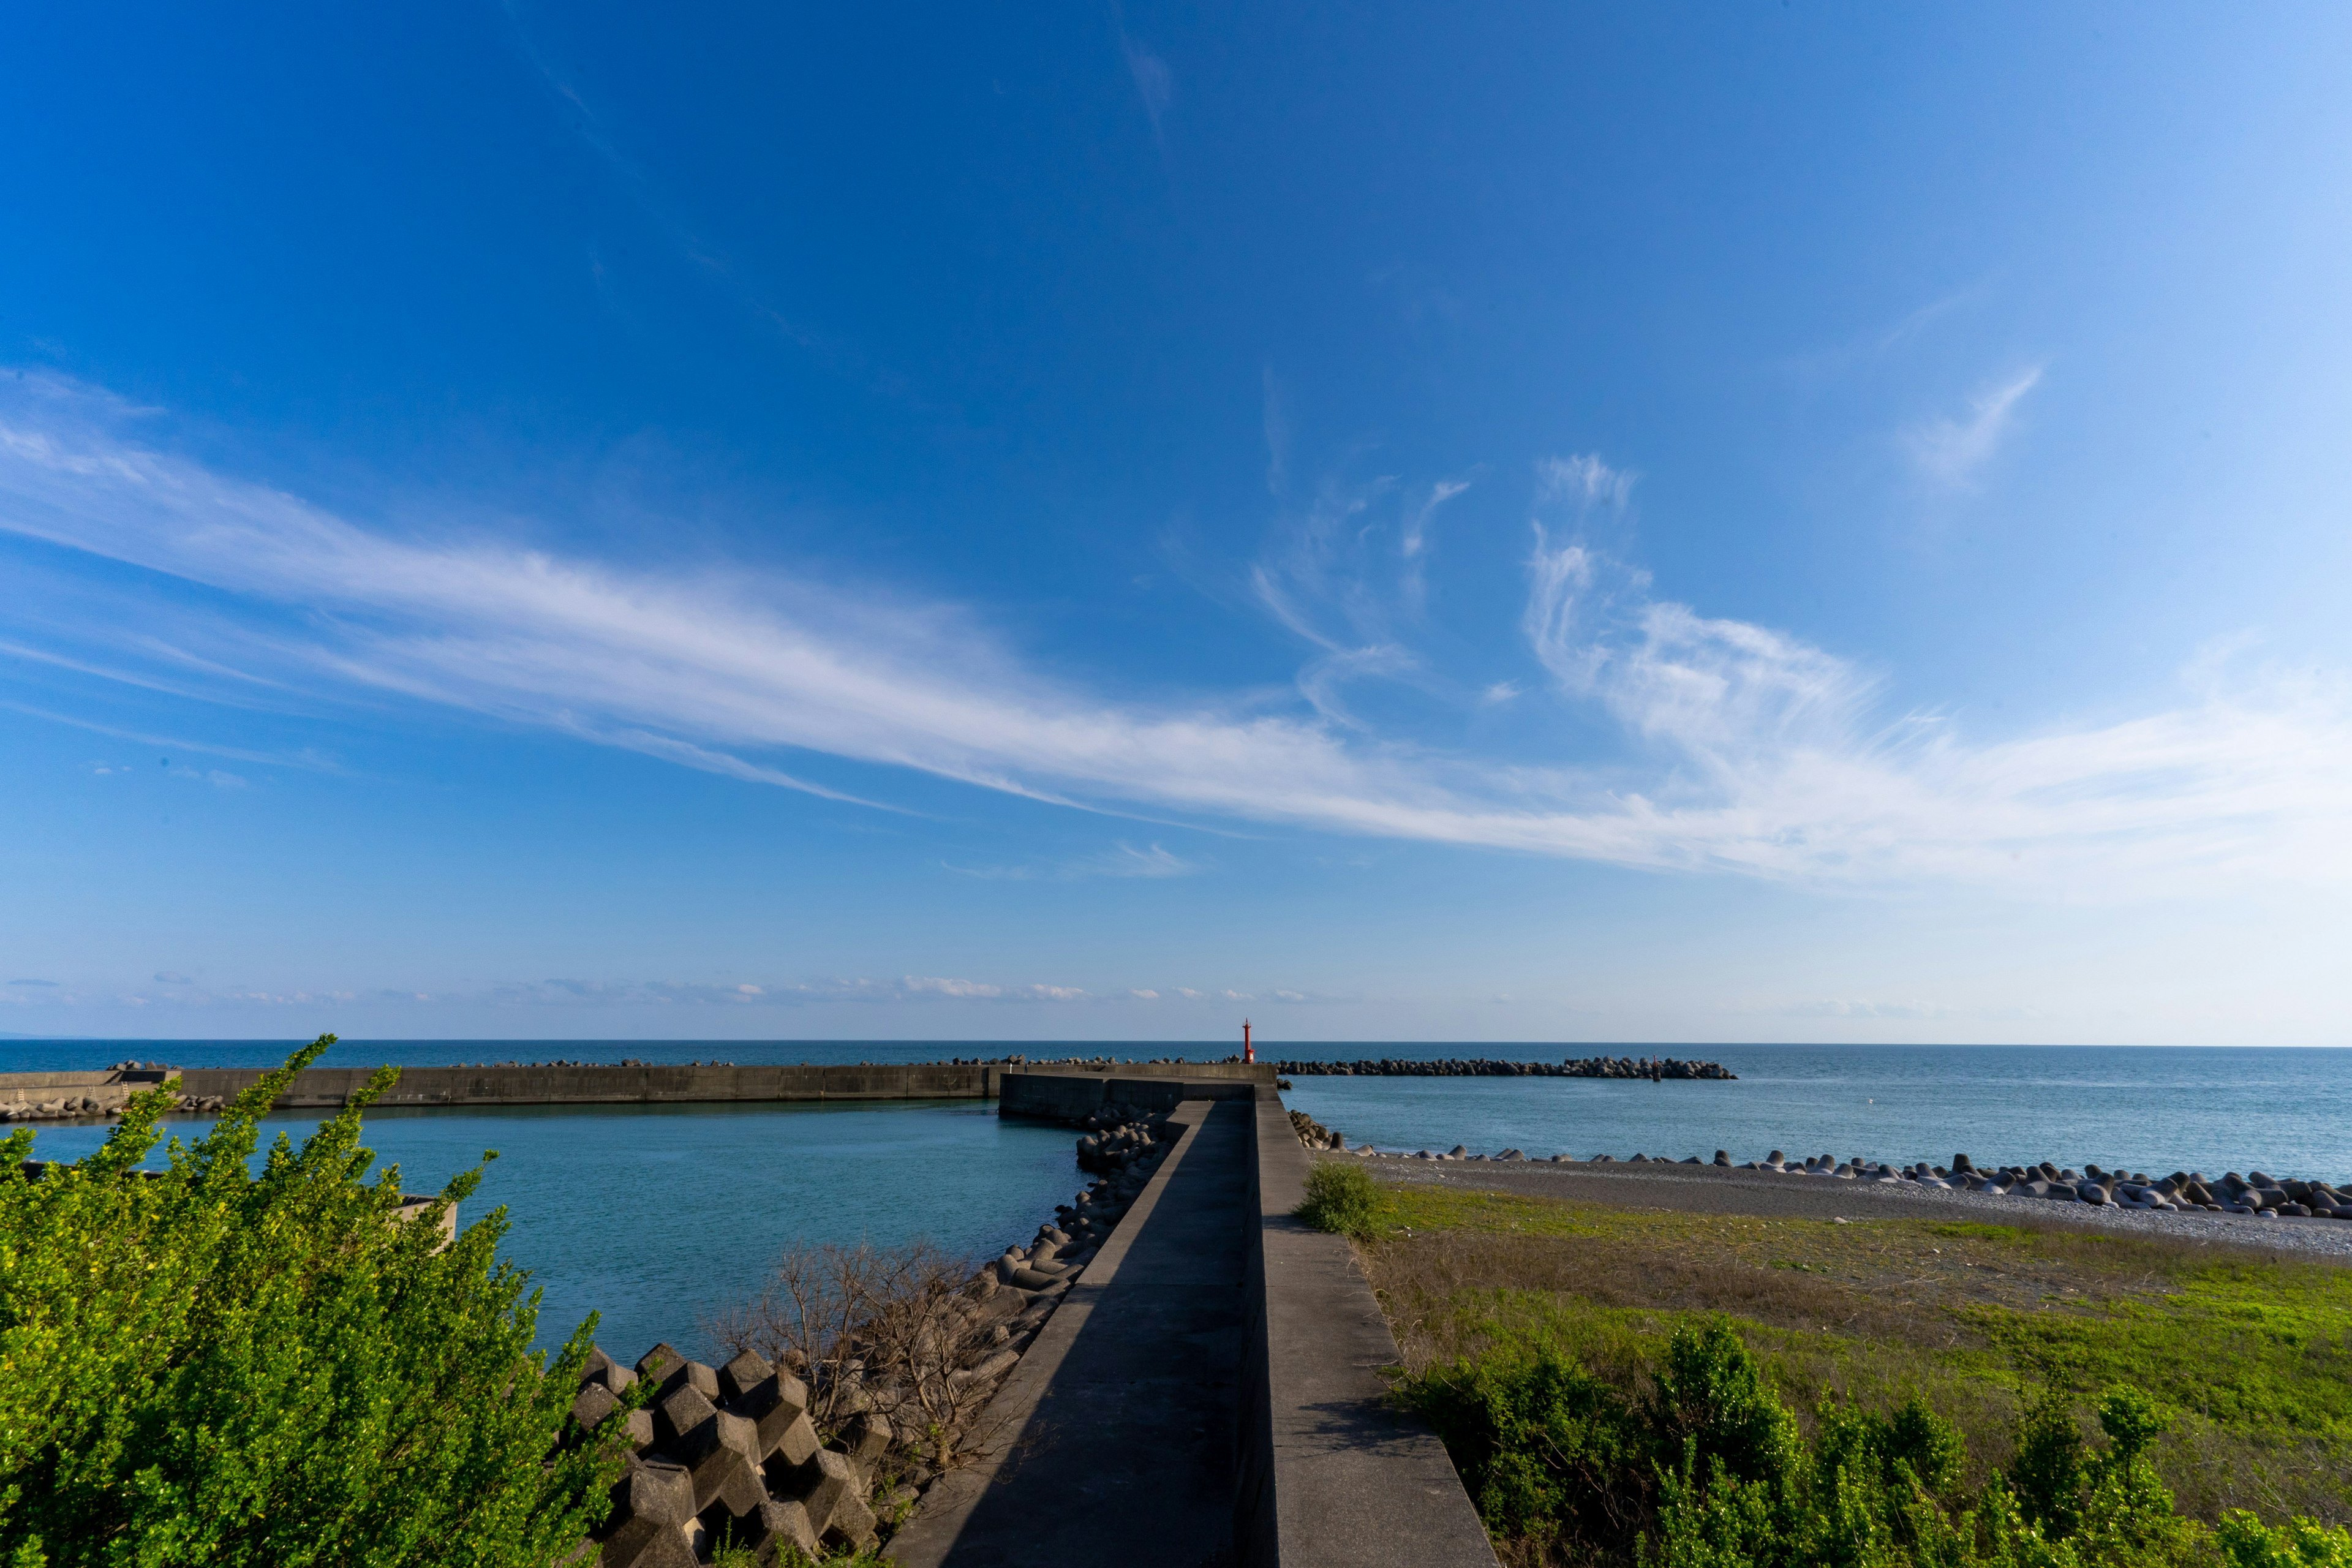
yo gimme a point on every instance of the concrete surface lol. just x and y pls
(1114, 1436)
(1344, 1478)
(1066, 1095)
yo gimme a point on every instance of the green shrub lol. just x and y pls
(1709, 1469)
(2048, 1472)
(212, 1366)
(1341, 1198)
(2299, 1543)
(1546, 1449)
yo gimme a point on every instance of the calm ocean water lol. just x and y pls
(2150, 1109)
(659, 1216)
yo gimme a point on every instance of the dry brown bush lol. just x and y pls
(885, 1329)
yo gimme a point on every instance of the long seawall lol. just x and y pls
(532, 1084)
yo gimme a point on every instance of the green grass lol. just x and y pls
(2250, 1352)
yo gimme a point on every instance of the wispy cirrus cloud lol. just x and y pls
(1413, 546)
(1155, 84)
(1951, 450)
(1744, 748)
(1121, 859)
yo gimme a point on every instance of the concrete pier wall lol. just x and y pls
(111, 1085)
(1330, 1473)
(1061, 1096)
(326, 1088)
(1082, 1084)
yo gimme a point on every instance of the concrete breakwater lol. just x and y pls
(60, 1096)
(1656, 1069)
(70, 1096)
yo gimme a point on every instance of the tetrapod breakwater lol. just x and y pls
(1656, 1069)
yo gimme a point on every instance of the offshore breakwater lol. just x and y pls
(1656, 1069)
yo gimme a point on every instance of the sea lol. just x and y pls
(659, 1218)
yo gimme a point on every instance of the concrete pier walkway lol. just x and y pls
(1119, 1425)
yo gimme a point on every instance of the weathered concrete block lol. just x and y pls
(592, 1405)
(679, 1418)
(852, 1524)
(663, 1366)
(724, 1525)
(820, 1485)
(866, 1440)
(999, 1304)
(788, 1529)
(774, 1403)
(995, 1367)
(797, 1445)
(642, 1544)
(657, 1489)
(668, 1370)
(742, 1374)
(727, 1469)
(641, 1428)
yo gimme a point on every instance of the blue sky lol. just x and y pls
(1564, 524)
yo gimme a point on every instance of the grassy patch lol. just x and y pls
(2251, 1351)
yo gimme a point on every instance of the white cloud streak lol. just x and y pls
(1951, 451)
(1755, 752)
(1155, 84)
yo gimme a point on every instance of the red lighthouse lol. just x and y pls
(1249, 1052)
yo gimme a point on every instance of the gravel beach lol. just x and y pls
(1709, 1189)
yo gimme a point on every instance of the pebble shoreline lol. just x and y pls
(2185, 1198)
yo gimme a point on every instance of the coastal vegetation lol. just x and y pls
(1342, 1198)
(1720, 1390)
(211, 1364)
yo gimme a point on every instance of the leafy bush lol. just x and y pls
(1546, 1449)
(2298, 1543)
(205, 1365)
(1709, 1469)
(1341, 1198)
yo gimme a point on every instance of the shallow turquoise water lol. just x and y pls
(658, 1216)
